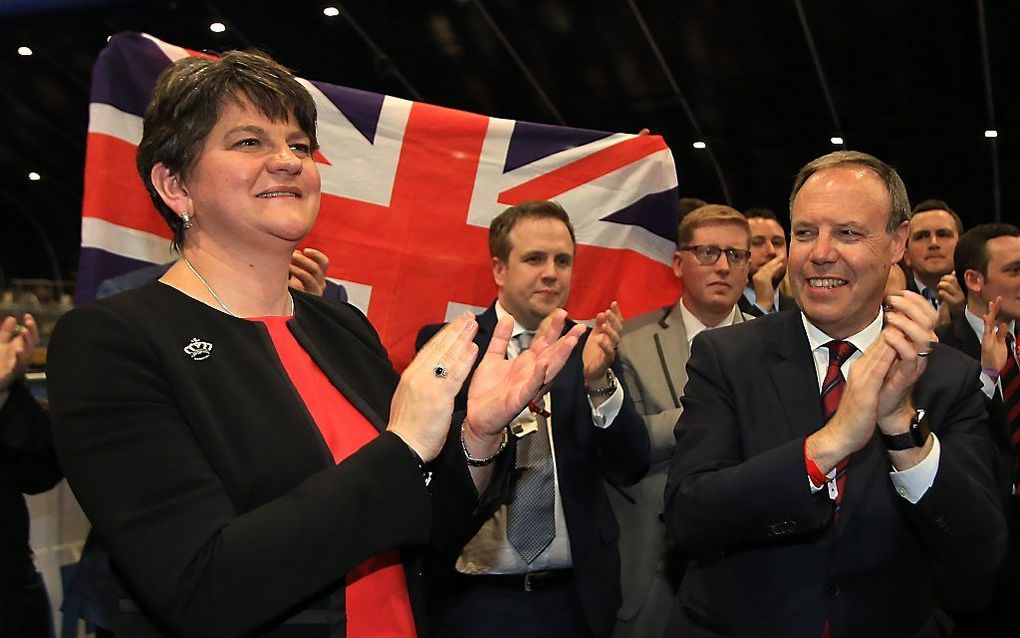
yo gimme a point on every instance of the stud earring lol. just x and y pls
(187, 220)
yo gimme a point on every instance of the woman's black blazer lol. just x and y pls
(201, 469)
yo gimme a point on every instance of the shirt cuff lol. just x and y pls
(604, 415)
(912, 483)
(987, 385)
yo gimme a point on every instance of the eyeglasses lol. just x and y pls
(709, 254)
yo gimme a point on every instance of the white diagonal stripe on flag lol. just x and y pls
(109, 120)
(124, 241)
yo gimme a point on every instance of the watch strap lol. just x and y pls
(916, 437)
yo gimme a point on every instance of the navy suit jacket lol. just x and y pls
(28, 465)
(585, 456)
(746, 307)
(959, 335)
(768, 559)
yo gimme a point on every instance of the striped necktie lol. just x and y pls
(832, 392)
(531, 523)
(1009, 382)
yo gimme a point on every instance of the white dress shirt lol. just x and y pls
(693, 325)
(489, 552)
(935, 293)
(911, 483)
(752, 296)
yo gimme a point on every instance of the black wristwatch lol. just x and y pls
(916, 437)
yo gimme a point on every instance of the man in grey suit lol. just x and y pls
(712, 259)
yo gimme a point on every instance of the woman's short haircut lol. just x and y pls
(499, 229)
(708, 215)
(186, 103)
(900, 210)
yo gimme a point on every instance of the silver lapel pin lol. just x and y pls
(198, 350)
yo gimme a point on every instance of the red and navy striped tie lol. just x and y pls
(832, 392)
(1009, 381)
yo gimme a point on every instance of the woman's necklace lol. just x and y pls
(217, 297)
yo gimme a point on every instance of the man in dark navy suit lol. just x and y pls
(830, 462)
(544, 559)
(987, 260)
(28, 465)
(934, 230)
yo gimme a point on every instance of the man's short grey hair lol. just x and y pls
(900, 211)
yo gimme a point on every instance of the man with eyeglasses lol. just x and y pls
(712, 260)
(831, 463)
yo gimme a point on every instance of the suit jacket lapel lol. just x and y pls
(968, 340)
(486, 326)
(673, 351)
(325, 340)
(794, 376)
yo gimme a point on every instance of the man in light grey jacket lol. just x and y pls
(712, 260)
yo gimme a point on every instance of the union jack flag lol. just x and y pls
(408, 191)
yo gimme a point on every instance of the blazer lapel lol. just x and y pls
(486, 326)
(793, 375)
(672, 349)
(325, 340)
(968, 340)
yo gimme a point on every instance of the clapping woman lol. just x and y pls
(247, 453)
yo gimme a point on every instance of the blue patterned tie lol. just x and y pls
(931, 297)
(531, 525)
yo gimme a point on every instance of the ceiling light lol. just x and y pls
(331, 12)
(991, 133)
(24, 51)
(699, 145)
(838, 141)
(217, 27)
(35, 177)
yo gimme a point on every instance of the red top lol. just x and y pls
(377, 602)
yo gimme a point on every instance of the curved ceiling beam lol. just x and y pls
(14, 205)
(385, 61)
(520, 63)
(819, 71)
(235, 31)
(680, 96)
(986, 67)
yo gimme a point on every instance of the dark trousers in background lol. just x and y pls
(997, 613)
(25, 609)
(473, 607)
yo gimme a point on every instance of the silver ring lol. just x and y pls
(924, 354)
(440, 371)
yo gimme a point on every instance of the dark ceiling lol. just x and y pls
(764, 84)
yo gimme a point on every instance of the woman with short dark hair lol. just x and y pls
(246, 452)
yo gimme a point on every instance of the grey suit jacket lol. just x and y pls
(653, 358)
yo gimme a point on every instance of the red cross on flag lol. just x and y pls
(408, 192)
